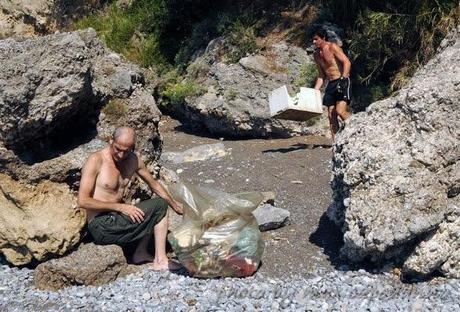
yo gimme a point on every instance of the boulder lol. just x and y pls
(396, 169)
(90, 264)
(235, 99)
(37, 222)
(25, 18)
(61, 97)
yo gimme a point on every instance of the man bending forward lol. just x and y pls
(105, 176)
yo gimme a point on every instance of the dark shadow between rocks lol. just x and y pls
(296, 147)
(77, 130)
(329, 237)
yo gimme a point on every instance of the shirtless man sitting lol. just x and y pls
(334, 66)
(104, 178)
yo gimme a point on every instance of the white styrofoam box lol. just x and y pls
(305, 105)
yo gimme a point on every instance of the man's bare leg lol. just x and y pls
(161, 261)
(342, 110)
(140, 254)
(333, 122)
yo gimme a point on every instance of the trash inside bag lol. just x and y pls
(218, 236)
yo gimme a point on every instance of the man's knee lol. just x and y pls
(342, 109)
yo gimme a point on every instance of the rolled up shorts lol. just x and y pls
(116, 228)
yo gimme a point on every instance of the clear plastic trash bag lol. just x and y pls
(218, 236)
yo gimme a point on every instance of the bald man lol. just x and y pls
(104, 178)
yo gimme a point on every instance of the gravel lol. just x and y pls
(164, 291)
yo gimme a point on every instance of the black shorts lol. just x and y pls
(337, 90)
(116, 228)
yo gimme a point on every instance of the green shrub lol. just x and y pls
(307, 75)
(133, 32)
(175, 93)
(242, 38)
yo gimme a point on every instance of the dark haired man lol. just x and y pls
(105, 176)
(334, 66)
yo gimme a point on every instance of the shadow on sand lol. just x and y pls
(329, 237)
(296, 147)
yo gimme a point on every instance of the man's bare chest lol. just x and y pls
(326, 58)
(113, 179)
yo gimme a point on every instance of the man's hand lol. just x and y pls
(136, 214)
(178, 208)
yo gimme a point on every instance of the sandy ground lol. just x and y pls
(310, 242)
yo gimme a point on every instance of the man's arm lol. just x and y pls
(346, 64)
(321, 75)
(157, 187)
(85, 199)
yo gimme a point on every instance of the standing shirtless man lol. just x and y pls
(334, 66)
(105, 176)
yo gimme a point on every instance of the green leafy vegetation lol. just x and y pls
(174, 89)
(307, 76)
(389, 40)
(385, 40)
(243, 41)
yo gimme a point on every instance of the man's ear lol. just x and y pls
(111, 141)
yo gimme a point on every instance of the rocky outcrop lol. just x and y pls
(25, 18)
(235, 99)
(61, 97)
(396, 172)
(37, 221)
(90, 264)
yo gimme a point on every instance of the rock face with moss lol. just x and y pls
(232, 99)
(397, 173)
(61, 97)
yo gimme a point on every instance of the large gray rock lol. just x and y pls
(26, 18)
(235, 102)
(396, 168)
(90, 264)
(61, 97)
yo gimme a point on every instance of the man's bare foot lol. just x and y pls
(163, 265)
(142, 258)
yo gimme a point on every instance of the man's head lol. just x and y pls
(319, 37)
(122, 143)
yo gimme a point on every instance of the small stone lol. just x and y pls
(146, 296)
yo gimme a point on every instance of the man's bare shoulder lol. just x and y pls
(334, 47)
(96, 158)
